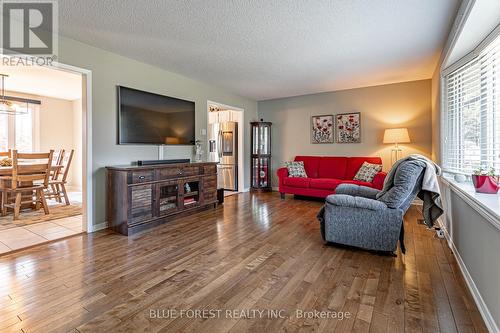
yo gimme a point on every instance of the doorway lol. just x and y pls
(226, 116)
(59, 113)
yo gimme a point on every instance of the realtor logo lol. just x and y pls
(29, 28)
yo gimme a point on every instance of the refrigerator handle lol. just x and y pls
(220, 144)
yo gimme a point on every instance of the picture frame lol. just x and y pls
(348, 127)
(322, 129)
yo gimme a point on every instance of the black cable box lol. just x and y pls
(157, 162)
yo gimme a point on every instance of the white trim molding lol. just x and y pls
(473, 200)
(97, 227)
(478, 299)
(87, 187)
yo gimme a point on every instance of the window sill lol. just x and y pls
(488, 205)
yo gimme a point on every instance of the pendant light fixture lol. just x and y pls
(6, 105)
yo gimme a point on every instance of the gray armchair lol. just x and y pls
(359, 216)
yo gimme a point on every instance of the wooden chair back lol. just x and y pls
(66, 163)
(30, 167)
(57, 160)
(6, 153)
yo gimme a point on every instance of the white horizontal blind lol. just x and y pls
(472, 116)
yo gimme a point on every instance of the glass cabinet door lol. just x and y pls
(168, 197)
(263, 171)
(264, 142)
(255, 136)
(255, 172)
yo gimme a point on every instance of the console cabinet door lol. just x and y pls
(167, 194)
(141, 198)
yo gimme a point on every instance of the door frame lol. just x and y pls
(87, 188)
(241, 140)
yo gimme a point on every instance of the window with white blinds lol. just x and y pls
(471, 122)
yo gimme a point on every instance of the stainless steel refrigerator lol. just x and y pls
(223, 148)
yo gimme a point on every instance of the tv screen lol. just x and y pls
(147, 118)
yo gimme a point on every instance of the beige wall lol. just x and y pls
(57, 131)
(405, 104)
(108, 71)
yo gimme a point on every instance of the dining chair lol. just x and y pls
(57, 159)
(3, 155)
(30, 176)
(57, 186)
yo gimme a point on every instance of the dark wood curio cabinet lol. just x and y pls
(260, 159)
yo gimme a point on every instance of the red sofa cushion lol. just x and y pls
(311, 164)
(297, 182)
(354, 163)
(324, 183)
(332, 167)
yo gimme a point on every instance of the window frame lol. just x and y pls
(471, 56)
(35, 130)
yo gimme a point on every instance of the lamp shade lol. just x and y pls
(396, 135)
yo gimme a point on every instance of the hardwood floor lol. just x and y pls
(257, 252)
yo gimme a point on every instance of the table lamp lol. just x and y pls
(396, 136)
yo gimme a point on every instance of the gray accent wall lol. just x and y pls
(406, 104)
(108, 71)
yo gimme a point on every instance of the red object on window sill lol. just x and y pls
(486, 184)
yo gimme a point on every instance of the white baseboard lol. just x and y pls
(100, 226)
(276, 188)
(481, 305)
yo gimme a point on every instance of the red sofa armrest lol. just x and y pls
(282, 174)
(378, 180)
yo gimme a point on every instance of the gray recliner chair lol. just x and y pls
(357, 216)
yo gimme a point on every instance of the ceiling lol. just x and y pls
(265, 49)
(42, 81)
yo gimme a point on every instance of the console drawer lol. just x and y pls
(210, 183)
(176, 172)
(141, 176)
(210, 169)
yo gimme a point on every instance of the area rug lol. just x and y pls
(29, 217)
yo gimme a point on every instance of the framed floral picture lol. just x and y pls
(322, 129)
(348, 127)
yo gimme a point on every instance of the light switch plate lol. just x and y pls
(203, 131)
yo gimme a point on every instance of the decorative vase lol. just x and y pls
(486, 184)
(198, 151)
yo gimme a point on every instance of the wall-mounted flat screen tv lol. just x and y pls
(147, 118)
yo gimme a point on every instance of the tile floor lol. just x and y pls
(21, 237)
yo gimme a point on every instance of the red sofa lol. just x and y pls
(325, 174)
